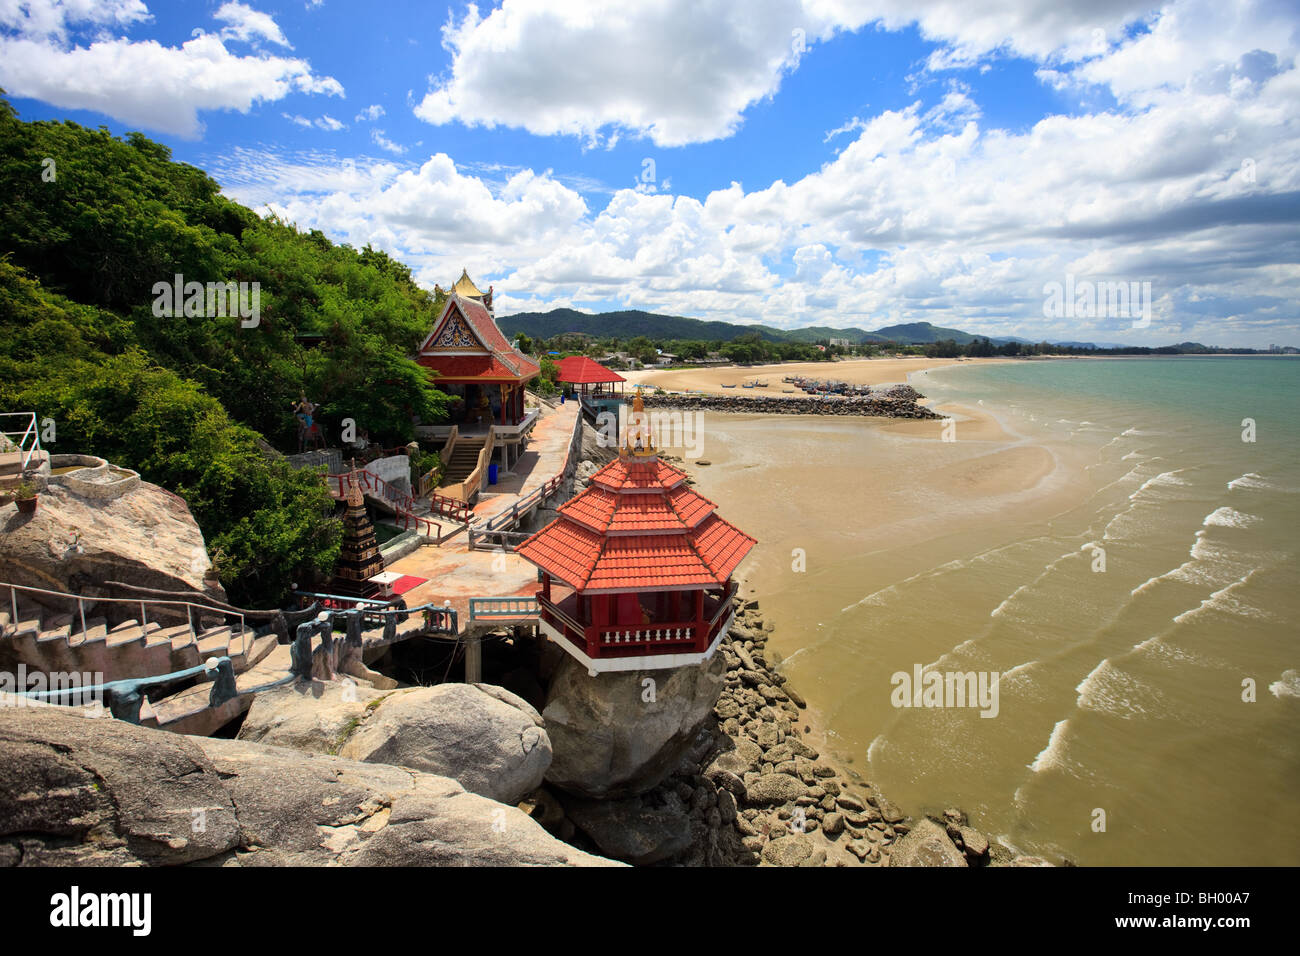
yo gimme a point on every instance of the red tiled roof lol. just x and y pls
(631, 475)
(473, 367)
(637, 527)
(580, 370)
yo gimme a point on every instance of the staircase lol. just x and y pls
(464, 459)
(49, 642)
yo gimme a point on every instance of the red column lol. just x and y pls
(701, 626)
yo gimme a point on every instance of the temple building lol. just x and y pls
(470, 360)
(636, 570)
(596, 387)
(359, 557)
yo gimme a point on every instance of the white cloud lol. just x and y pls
(383, 142)
(142, 83)
(249, 25)
(677, 71)
(370, 113)
(927, 213)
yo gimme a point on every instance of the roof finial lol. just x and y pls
(638, 442)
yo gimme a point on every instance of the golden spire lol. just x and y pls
(355, 498)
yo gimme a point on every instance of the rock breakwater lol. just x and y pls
(900, 404)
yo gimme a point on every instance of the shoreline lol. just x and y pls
(1004, 465)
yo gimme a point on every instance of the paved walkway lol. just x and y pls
(455, 572)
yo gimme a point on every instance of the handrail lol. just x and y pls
(429, 610)
(403, 505)
(125, 700)
(500, 540)
(29, 432)
(548, 605)
(189, 606)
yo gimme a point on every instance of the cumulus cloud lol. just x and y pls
(679, 72)
(144, 83)
(926, 212)
(249, 25)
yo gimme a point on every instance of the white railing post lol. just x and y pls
(81, 610)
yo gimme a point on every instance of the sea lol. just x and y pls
(1138, 602)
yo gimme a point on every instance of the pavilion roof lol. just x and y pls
(580, 370)
(637, 527)
(466, 345)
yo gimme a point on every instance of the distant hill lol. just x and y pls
(626, 325)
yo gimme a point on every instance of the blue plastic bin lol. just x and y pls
(492, 473)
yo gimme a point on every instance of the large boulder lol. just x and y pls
(82, 792)
(314, 716)
(487, 738)
(145, 537)
(628, 830)
(926, 845)
(613, 738)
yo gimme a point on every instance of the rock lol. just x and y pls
(793, 850)
(773, 788)
(926, 845)
(608, 742)
(954, 817)
(794, 696)
(725, 780)
(727, 806)
(487, 738)
(628, 830)
(145, 537)
(310, 716)
(742, 756)
(81, 792)
(849, 802)
(860, 850)
(888, 812)
(833, 823)
(974, 842)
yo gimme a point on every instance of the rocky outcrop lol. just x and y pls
(81, 792)
(927, 845)
(146, 537)
(615, 735)
(492, 742)
(900, 404)
(630, 829)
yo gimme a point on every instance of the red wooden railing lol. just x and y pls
(401, 503)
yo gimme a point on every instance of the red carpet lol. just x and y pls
(407, 582)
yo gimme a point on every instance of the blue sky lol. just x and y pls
(795, 162)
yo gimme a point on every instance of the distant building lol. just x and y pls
(841, 342)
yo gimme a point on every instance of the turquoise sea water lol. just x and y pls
(1122, 688)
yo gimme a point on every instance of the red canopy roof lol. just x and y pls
(638, 527)
(580, 370)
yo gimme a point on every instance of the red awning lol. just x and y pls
(580, 370)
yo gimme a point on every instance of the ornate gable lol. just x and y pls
(455, 334)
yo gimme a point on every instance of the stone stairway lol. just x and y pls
(48, 641)
(464, 459)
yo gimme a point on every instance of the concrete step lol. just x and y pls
(214, 642)
(122, 634)
(168, 635)
(96, 630)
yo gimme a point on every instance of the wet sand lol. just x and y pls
(855, 371)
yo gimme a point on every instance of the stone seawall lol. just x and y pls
(873, 406)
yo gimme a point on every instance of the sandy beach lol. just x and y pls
(882, 371)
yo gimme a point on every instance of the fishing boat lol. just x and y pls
(728, 386)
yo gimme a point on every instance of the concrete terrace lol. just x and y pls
(455, 573)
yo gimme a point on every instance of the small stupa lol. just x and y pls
(359, 558)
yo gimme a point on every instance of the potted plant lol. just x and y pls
(26, 497)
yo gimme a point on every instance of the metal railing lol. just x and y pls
(25, 448)
(438, 618)
(190, 607)
(400, 502)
